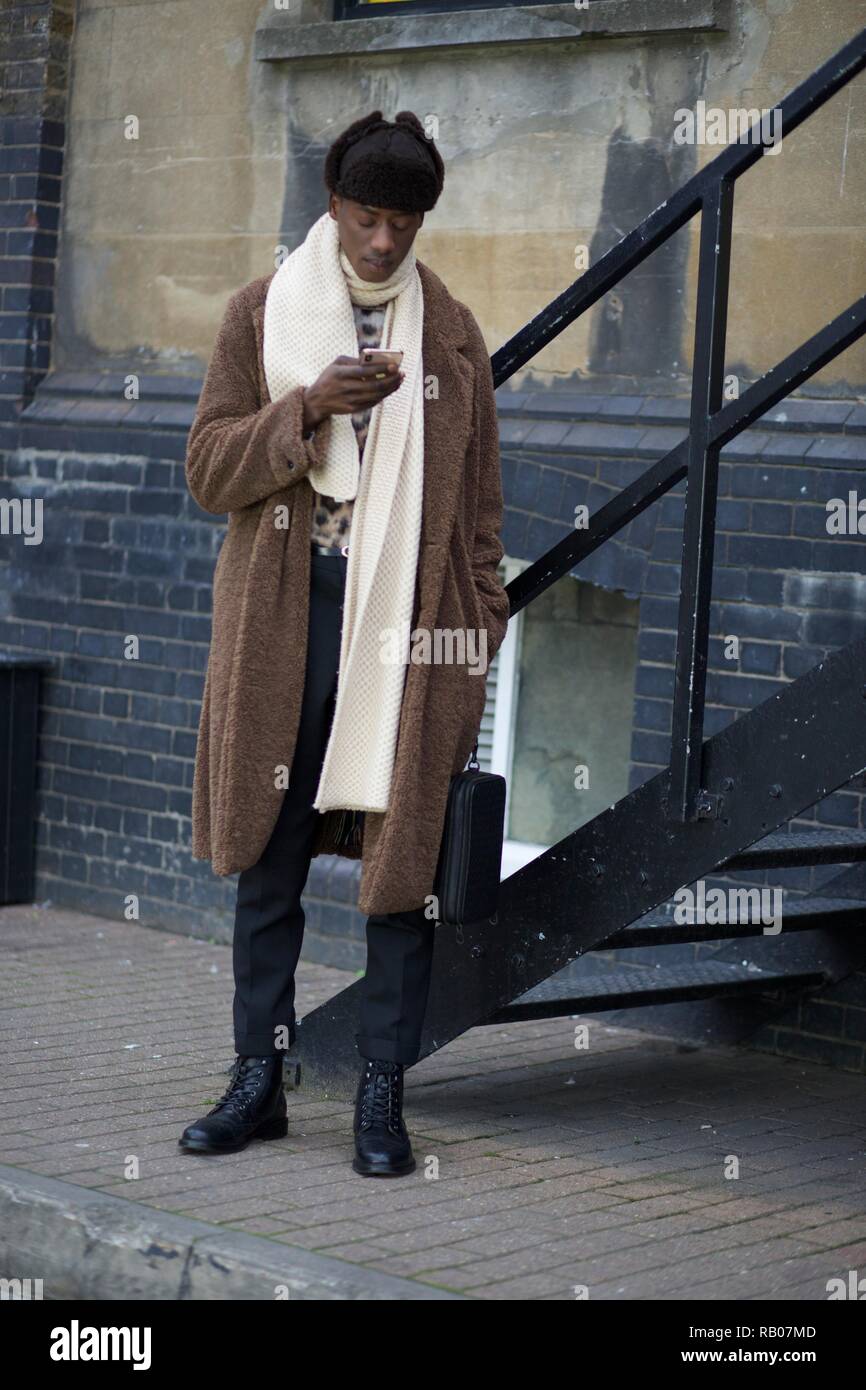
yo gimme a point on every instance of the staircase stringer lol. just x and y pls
(625, 862)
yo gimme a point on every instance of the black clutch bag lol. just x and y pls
(470, 857)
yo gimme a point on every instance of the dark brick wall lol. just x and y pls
(787, 589)
(127, 551)
(34, 67)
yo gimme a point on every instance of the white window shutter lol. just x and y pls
(485, 736)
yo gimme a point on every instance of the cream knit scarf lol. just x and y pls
(308, 322)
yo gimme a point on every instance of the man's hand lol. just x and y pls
(346, 385)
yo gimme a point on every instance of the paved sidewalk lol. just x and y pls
(542, 1170)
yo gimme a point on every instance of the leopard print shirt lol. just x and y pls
(332, 520)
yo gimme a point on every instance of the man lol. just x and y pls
(364, 506)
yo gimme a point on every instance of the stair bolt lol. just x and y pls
(598, 870)
(775, 790)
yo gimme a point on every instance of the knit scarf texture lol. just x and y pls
(308, 323)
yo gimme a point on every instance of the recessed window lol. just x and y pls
(558, 722)
(376, 9)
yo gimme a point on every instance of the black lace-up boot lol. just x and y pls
(382, 1147)
(253, 1107)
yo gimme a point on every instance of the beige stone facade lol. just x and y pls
(197, 132)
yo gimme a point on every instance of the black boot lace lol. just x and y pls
(245, 1086)
(380, 1097)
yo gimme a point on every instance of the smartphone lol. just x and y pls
(383, 356)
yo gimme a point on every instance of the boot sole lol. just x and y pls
(271, 1129)
(372, 1170)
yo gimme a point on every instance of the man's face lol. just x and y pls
(375, 240)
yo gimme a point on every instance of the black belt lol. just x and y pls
(337, 551)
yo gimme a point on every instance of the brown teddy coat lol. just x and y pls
(246, 457)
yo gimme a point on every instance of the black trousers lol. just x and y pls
(269, 918)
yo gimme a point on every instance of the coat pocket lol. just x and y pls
(466, 603)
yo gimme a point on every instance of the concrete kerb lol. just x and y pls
(86, 1244)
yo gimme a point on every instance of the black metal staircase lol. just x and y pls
(719, 804)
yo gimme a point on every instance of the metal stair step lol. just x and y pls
(658, 928)
(800, 847)
(567, 993)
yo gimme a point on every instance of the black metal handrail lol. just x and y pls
(711, 425)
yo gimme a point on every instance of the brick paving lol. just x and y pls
(542, 1171)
